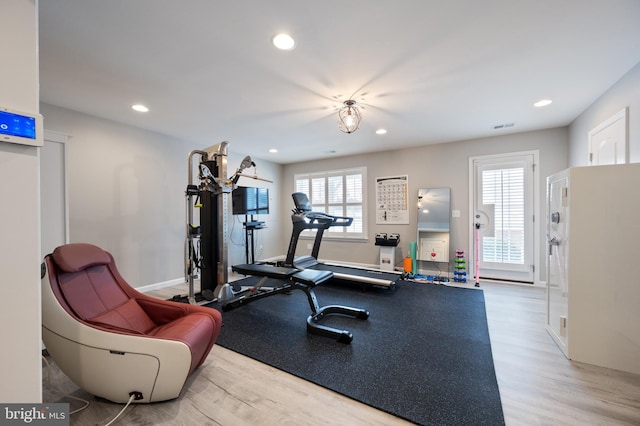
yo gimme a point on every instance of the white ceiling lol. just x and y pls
(428, 71)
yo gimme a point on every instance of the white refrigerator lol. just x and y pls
(593, 264)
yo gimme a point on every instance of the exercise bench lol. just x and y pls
(296, 279)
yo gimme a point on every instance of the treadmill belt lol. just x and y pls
(357, 274)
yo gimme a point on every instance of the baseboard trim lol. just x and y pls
(157, 286)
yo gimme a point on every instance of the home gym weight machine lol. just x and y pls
(206, 249)
(205, 253)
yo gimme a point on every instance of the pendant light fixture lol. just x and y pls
(349, 117)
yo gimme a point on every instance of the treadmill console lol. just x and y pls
(301, 201)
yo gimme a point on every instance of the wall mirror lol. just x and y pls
(434, 209)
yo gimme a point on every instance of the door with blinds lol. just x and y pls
(503, 219)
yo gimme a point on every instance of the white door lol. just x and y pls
(608, 141)
(503, 208)
(557, 251)
(53, 192)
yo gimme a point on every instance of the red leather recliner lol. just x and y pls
(112, 340)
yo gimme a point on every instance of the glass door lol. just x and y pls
(503, 209)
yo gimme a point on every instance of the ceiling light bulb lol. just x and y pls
(140, 108)
(381, 131)
(284, 42)
(349, 120)
(349, 117)
(542, 102)
(273, 150)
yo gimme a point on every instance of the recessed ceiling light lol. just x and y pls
(140, 108)
(542, 102)
(381, 131)
(273, 150)
(284, 42)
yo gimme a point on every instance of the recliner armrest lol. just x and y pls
(160, 311)
(164, 311)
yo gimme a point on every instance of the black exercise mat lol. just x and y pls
(424, 353)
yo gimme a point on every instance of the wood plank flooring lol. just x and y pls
(538, 385)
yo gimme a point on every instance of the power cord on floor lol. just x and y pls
(86, 403)
(131, 398)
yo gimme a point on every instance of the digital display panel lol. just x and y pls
(250, 201)
(13, 124)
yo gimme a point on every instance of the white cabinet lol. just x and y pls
(593, 290)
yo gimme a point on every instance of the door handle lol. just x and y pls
(552, 242)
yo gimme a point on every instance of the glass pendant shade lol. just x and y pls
(349, 117)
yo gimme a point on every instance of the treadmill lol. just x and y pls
(303, 217)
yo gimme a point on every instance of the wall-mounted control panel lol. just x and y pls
(21, 127)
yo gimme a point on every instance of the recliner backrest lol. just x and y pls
(79, 256)
(91, 291)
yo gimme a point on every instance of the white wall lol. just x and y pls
(126, 191)
(127, 195)
(432, 166)
(20, 212)
(267, 242)
(127, 185)
(625, 93)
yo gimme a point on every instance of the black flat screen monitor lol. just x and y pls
(249, 201)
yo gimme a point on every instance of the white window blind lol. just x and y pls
(505, 190)
(338, 193)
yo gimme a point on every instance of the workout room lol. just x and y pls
(449, 186)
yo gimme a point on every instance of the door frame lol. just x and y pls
(62, 139)
(619, 123)
(535, 187)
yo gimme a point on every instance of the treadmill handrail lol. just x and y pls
(313, 222)
(334, 220)
(303, 208)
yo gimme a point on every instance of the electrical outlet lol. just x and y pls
(563, 326)
(455, 213)
(137, 396)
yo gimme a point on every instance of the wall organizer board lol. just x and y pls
(392, 203)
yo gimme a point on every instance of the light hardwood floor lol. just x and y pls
(538, 385)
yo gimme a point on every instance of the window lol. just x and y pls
(338, 193)
(504, 189)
